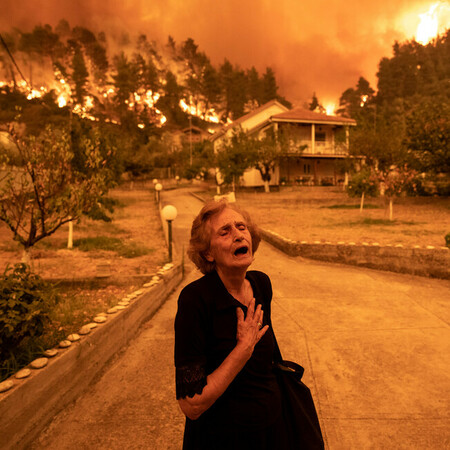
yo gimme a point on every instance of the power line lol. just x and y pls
(13, 60)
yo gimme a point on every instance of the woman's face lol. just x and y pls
(230, 241)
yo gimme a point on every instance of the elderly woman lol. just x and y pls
(224, 344)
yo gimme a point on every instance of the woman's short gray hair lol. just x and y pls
(199, 243)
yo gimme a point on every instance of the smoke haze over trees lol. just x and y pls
(407, 121)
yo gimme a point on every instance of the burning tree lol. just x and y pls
(46, 190)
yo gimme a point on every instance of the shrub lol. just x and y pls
(25, 300)
(363, 182)
(327, 181)
(447, 240)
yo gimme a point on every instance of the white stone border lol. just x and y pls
(35, 394)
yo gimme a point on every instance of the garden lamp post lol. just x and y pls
(169, 213)
(158, 188)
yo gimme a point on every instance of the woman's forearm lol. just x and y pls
(216, 383)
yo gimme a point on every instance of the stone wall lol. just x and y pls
(425, 261)
(31, 402)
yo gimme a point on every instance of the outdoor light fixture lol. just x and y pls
(169, 213)
(158, 188)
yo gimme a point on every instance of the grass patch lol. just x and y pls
(128, 249)
(386, 222)
(340, 206)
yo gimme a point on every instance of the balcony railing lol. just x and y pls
(320, 148)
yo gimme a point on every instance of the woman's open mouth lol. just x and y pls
(241, 251)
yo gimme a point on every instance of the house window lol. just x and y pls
(306, 168)
(320, 136)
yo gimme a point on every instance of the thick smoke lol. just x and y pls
(322, 46)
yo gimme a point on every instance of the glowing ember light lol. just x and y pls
(432, 22)
(363, 100)
(62, 81)
(329, 109)
(428, 26)
(62, 101)
(34, 93)
(141, 126)
(89, 102)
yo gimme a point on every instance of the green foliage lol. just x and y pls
(428, 135)
(398, 180)
(25, 301)
(363, 182)
(407, 121)
(47, 191)
(447, 240)
(235, 156)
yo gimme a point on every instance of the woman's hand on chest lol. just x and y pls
(249, 328)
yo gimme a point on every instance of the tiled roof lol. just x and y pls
(298, 115)
(306, 116)
(247, 116)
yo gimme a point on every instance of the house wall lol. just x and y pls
(296, 169)
(252, 178)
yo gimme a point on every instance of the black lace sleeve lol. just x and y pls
(190, 380)
(190, 344)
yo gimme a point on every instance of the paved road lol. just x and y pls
(375, 346)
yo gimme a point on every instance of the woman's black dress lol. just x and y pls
(248, 414)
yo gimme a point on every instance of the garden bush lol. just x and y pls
(25, 302)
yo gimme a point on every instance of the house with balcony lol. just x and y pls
(317, 143)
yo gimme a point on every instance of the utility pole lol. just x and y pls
(190, 140)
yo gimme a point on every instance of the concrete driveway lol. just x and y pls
(375, 346)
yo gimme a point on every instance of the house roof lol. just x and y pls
(298, 115)
(301, 115)
(246, 117)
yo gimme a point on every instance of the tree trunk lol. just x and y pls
(26, 258)
(391, 209)
(266, 186)
(361, 206)
(70, 237)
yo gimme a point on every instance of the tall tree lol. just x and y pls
(47, 191)
(79, 76)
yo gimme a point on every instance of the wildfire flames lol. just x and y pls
(199, 109)
(432, 22)
(139, 100)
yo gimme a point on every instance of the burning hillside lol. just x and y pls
(101, 78)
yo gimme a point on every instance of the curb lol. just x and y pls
(424, 261)
(32, 402)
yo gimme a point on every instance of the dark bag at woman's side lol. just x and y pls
(299, 412)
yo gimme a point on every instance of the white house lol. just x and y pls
(318, 143)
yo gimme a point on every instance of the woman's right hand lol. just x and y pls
(249, 330)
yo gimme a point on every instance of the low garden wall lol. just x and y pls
(31, 402)
(425, 261)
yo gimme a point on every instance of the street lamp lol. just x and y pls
(169, 213)
(158, 188)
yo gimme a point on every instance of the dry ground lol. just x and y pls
(136, 221)
(316, 214)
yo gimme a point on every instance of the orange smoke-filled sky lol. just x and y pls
(320, 46)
